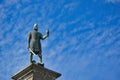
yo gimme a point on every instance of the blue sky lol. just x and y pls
(84, 41)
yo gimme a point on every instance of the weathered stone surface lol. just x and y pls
(36, 72)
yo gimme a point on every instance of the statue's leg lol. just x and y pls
(31, 57)
(40, 57)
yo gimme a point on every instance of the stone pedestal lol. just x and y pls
(36, 72)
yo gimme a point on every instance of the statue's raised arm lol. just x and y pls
(45, 36)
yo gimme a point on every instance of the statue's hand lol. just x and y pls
(47, 32)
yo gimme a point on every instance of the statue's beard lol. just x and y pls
(36, 29)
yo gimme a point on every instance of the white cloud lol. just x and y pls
(71, 6)
(78, 48)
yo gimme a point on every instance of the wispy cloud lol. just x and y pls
(76, 46)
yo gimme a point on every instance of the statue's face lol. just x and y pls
(36, 26)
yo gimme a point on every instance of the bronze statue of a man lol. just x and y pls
(34, 44)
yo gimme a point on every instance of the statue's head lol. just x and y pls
(35, 27)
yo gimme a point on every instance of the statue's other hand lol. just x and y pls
(47, 32)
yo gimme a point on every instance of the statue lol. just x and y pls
(34, 45)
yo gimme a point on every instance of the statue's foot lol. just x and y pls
(41, 64)
(32, 62)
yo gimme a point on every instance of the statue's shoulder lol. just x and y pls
(29, 32)
(40, 33)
